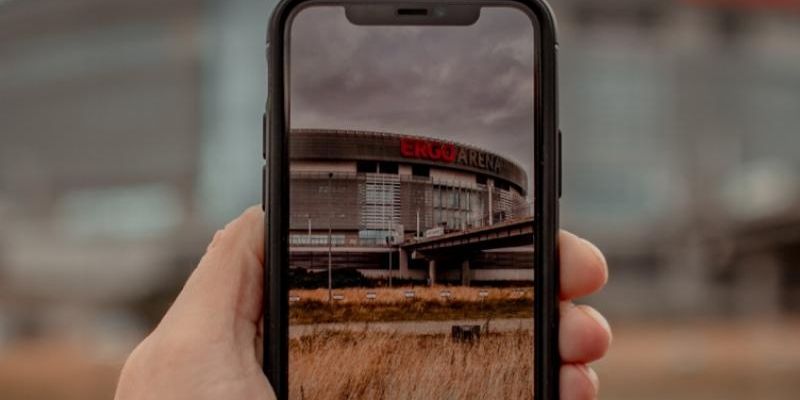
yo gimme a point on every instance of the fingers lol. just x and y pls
(584, 335)
(578, 382)
(226, 287)
(583, 267)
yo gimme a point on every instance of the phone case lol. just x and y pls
(547, 189)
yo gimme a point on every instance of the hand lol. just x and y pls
(207, 346)
(584, 334)
(208, 343)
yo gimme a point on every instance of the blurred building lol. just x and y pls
(130, 129)
(679, 123)
(102, 135)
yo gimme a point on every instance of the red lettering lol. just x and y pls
(449, 153)
(419, 150)
(407, 147)
(411, 148)
(436, 152)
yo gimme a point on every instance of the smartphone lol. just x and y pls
(411, 192)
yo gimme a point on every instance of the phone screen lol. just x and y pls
(411, 214)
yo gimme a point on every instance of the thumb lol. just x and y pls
(223, 295)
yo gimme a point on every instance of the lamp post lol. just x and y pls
(490, 187)
(330, 238)
(417, 237)
(389, 246)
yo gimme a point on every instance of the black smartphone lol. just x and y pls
(411, 192)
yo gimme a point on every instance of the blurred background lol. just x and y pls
(130, 130)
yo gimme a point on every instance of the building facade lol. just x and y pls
(365, 193)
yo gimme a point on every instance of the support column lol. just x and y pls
(466, 273)
(490, 187)
(404, 274)
(432, 272)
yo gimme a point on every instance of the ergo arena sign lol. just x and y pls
(449, 153)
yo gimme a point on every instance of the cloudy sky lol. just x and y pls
(469, 84)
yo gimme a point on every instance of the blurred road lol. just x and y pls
(703, 360)
(694, 360)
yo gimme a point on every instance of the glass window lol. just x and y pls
(366, 167)
(316, 240)
(421, 170)
(389, 168)
(373, 236)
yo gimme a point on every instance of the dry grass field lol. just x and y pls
(354, 305)
(341, 366)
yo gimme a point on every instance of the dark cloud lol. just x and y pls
(469, 84)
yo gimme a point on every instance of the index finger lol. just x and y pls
(227, 283)
(583, 267)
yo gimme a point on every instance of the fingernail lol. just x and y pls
(600, 320)
(600, 256)
(592, 375)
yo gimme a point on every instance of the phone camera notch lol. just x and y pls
(412, 12)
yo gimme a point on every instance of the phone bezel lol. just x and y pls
(547, 188)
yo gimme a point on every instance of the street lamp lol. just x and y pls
(389, 245)
(417, 237)
(330, 238)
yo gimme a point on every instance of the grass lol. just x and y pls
(392, 305)
(343, 366)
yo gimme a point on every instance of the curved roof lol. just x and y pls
(340, 145)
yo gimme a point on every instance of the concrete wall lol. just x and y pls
(335, 167)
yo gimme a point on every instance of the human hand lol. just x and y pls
(208, 344)
(584, 334)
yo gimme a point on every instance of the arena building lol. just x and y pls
(358, 197)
